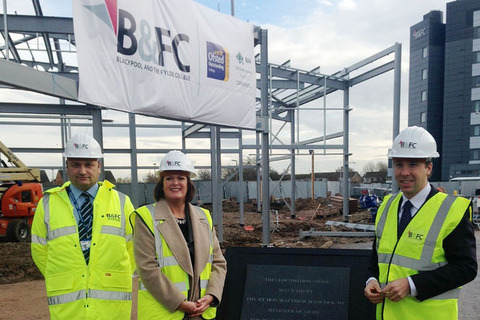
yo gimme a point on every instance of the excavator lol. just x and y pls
(20, 192)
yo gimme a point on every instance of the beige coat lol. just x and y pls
(157, 283)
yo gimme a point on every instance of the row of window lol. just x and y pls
(423, 95)
(475, 131)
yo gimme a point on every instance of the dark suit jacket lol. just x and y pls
(460, 250)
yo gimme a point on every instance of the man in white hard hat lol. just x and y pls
(82, 241)
(424, 247)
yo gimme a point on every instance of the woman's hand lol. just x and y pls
(201, 305)
(195, 309)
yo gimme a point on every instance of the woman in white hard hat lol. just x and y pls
(182, 270)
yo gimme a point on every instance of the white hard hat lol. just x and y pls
(83, 146)
(177, 161)
(414, 142)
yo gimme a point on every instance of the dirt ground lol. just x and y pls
(22, 292)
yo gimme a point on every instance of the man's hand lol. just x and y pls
(373, 292)
(397, 290)
(187, 307)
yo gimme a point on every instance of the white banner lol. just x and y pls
(173, 59)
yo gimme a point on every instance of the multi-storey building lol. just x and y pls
(444, 88)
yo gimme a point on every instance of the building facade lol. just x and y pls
(444, 87)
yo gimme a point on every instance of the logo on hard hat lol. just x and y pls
(409, 145)
(174, 163)
(80, 146)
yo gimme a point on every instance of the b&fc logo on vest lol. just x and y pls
(416, 236)
(114, 217)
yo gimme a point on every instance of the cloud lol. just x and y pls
(347, 4)
(326, 3)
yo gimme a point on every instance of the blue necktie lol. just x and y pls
(85, 225)
(405, 219)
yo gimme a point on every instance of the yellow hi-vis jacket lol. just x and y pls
(148, 306)
(103, 288)
(418, 249)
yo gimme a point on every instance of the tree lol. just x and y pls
(369, 167)
(382, 166)
(124, 180)
(274, 175)
(350, 169)
(150, 178)
(204, 174)
(375, 167)
(229, 173)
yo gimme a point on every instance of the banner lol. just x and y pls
(173, 59)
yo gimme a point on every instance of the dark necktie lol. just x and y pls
(405, 219)
(85, 226)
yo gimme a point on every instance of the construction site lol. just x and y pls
(40, 62)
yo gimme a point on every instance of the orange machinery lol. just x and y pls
(20, 192)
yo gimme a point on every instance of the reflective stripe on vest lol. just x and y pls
(203, 284)
(180, 286)
(383, 218)
(38, 239)
(95, 294)
(109, 295)
(68, 297)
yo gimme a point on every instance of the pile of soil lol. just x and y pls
(16, 264)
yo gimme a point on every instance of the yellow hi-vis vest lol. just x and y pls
(103, 288)
(148, 307)
(418, 249)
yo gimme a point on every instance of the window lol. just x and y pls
(425, 52)
(424, 96)
(26, 196)
(476, 33)
(424, 74)
(476, 82)
(423, 117)
(476, 106)
(475, 154)
(476, 130)
(476, 57)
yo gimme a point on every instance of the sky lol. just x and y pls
(331, 35)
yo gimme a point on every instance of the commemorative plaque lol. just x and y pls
(274, 292)
(295, 284)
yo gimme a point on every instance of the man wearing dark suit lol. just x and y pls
(424, 247)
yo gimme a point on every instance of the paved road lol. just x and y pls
(469, 301)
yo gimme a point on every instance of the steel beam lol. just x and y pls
(19, 76)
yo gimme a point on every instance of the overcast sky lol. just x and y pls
(326, 34)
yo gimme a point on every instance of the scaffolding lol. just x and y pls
(39, 56)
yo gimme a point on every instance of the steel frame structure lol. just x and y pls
(283, 92)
